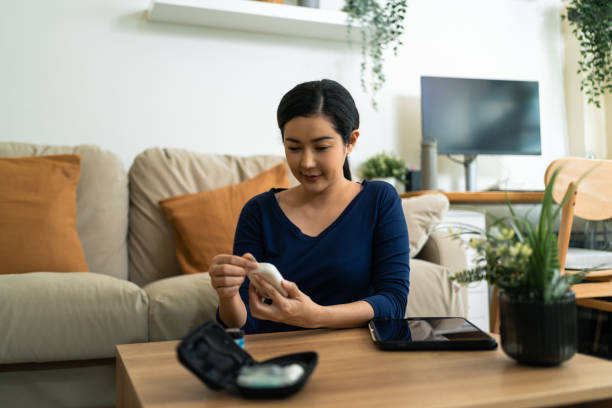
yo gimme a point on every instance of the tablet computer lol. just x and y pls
(429, 333)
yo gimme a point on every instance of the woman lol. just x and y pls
(341, 246)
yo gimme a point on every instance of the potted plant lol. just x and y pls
(385, 167)
(381, 28)
(537, 306)
(592, 26)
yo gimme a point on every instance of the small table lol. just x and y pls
(352, 372)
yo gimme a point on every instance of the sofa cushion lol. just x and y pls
(422, 214)
(159, 173)
(204, 223)
(48, 316)
(431, 292)
(38, 215)
(102, 203)
(179, 304)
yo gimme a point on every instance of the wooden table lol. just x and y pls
(353, 372)
(484, 197)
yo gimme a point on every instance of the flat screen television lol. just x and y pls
(481, 116)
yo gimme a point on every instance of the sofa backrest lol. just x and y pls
(158, 173)
(102, 203)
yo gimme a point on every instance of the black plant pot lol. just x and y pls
(534, 333)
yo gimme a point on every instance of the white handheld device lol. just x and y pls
(271, 275)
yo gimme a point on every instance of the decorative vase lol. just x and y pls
(309, 3)
(534, 333)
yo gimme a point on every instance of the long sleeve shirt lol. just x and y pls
(362, 255)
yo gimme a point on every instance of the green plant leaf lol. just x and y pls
(381, 28)
(384, 165)
(522, 259)
(591, 22)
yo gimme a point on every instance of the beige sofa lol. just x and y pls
(59, 330)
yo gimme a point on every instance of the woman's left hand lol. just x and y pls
(297, 309)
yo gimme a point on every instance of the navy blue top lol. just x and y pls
(362, 255)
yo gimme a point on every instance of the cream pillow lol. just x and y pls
(422, 214)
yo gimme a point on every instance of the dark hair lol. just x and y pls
(325, 97)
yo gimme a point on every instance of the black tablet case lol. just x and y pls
(485, 344)
(212, 355)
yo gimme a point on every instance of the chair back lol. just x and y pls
(594, 198)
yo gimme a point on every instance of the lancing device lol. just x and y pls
(271, 275)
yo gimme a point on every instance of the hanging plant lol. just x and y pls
(381, 28)
(592, 25)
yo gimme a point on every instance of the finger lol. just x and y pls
(235, 260)
(249, 257)
(260, 293)
(261, 310)
(292, 289)
(226, 281)
(255, 303)
(252, 261)
(257, 296)
(228, 270)
(270, 290)
(254, 293)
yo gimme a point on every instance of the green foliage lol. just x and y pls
(381, 27)
(592, 26)
(384, 165)
(520, 259)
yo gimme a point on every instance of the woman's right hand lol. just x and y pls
(227, 272)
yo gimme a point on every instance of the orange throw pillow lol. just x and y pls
(205, 222)
(38, 215)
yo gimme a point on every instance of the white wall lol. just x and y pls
(98, 72)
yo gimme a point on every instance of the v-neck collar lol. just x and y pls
(297, 230)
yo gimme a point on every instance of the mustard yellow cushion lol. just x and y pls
(38, 215)
(205, 222)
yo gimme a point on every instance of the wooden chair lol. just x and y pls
(592, 200)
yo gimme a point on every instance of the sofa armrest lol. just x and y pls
(444, 250)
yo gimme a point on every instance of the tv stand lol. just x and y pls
(469, 167)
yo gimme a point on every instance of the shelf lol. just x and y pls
(485, 197)
(254, 16)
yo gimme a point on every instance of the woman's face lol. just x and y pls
(315, 151)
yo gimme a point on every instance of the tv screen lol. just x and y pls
(481, 116)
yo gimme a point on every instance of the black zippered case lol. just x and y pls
(212, 355)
